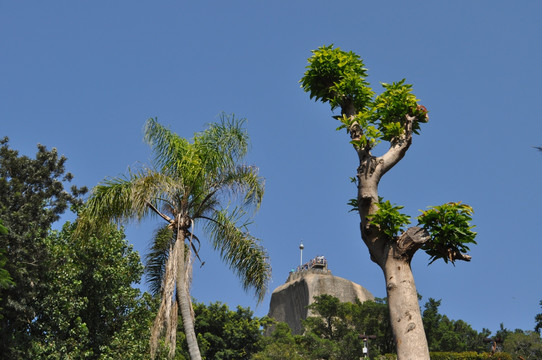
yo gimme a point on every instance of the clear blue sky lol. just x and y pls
(84, 76)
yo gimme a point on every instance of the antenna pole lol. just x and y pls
(301, 247)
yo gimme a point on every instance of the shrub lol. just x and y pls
(469, 355)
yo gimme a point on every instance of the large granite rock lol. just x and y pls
(289, 301)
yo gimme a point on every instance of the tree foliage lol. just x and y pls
(389, 219)
(524, 344)
(89, 295)
(332, 332)
(32, 197)
(281, 345)
(446, 335)
(449, 225)
(337, 77)
(227, 334)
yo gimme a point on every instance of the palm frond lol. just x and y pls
(223, 143)
(203, 203)
(169, 149)
(111, 200)
(240, 251)
(241, 182)
(122, 199)
(244, 181)
(156, 258)
(156, 189)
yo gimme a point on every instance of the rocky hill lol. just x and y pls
(289, 301)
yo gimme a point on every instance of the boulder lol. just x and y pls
(289, 301)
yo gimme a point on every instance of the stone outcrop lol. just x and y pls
(289, 301)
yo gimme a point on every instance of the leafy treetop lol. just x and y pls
(339, 78)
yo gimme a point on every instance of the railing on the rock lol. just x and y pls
(318, 262)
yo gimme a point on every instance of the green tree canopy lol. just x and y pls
(334, 330)
(281, 345)
(447, 335)
(89, 294)
(225, 334)
(32, 197)
(525, 345)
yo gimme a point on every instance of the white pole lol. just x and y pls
(301, 250)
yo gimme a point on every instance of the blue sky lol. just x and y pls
(84, 76)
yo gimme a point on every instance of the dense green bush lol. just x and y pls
(468, 355)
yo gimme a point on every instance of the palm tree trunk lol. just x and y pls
(183, 299)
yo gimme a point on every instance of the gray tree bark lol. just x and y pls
(403, 303)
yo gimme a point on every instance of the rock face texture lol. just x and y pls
(289, 301)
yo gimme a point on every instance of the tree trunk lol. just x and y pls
(405, 316)
(392, 255)
(394, 259)
(183, 299)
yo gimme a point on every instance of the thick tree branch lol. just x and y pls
(398, 147)
(410, 241)
(460, 256)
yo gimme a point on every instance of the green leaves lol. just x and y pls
(388, 219)
(448, 224)
(336, 76)
(240, 250)
(450, 229)
(392, 106)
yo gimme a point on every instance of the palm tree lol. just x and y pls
(202, 180)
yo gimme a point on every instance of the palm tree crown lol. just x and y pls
(199, 180)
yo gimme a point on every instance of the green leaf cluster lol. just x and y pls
(337, 76)
(392, 106)
(450, 230)
(389, 219)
